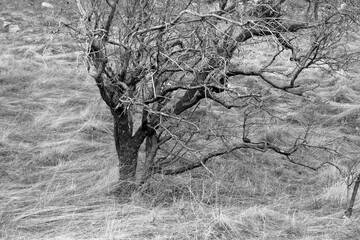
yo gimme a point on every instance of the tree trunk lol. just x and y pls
(127, 148)
(349, 210)
(316, 10)
(151, 148)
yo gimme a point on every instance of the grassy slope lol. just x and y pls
(58, 164)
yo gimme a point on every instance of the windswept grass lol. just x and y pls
(58, 164)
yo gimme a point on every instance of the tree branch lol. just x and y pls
(262, 146)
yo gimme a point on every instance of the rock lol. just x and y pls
(5, 27)
(14, 28)
(63, 20)
(47, 5)
(6, 23)
(342, 7)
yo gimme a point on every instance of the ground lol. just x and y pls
(58, 164)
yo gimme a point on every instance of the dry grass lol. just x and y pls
(58, 164)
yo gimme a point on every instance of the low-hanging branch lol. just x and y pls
(261, 146)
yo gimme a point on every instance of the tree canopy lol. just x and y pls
(193, 80)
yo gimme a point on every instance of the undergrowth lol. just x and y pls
(58, 167)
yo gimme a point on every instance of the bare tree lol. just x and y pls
(313, 8)
(157, 63)
(323, 8)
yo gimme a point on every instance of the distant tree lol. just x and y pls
(165, 68)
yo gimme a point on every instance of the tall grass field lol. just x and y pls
(58, 164)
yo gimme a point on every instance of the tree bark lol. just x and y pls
(151, 148)
(127, 148)
(349, 210)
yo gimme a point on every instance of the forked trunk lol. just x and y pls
(151, 147)
(349, 210)
(127, 148)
